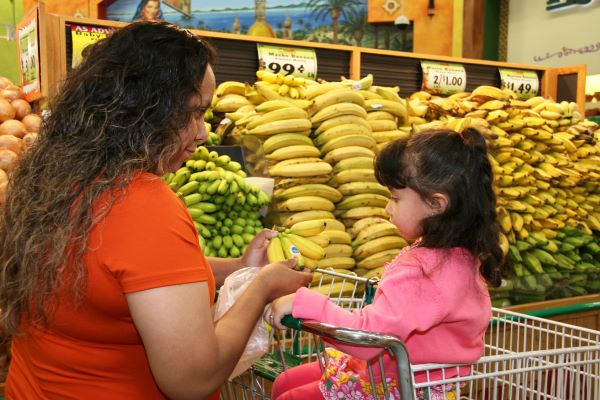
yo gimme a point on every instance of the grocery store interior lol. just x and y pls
(308, 93)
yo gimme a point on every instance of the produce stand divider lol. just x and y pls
(238, 61)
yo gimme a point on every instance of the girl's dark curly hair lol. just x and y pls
(443, 161)
(117, 114)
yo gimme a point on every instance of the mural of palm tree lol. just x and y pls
(356, 25)
(333, 8)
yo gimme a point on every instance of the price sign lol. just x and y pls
(296, 61)
(443, 78)
(524, 83)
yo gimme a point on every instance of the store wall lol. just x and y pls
(566, 36)
(78, 8)
(11, 11)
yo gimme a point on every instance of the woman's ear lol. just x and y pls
(438, 203)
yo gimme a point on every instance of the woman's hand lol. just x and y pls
(278, 309)
(280, 278)
(256, 253)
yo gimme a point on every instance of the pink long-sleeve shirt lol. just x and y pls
(435, 300)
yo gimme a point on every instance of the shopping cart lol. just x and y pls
(295, 346)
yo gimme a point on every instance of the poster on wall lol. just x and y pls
(29, 57)
(341, 22)
(82, 36)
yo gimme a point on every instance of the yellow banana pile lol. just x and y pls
(285, 85)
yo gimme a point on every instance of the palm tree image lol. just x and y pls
(333, 8)
(356, 26)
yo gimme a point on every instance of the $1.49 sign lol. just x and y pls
(296, 61)
(524, 83)
(443, 78)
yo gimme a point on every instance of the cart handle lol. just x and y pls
(364, 339)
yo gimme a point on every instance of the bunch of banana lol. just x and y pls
(224, 207)
(213, 138)
(376, 242)
(285, 85)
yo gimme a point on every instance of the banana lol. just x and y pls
(374, 231)
(388, 136)
(380, 115)
(352, 188)
(362, 200)
(230, 103)
(267, 91)
(353, 175)
(336, 110)
(295, 151)
(301, 170)
(319, 239)
(317, 90)
(372, 273)
(341, 153)
(283, 126)
(377, 245)
(334, 225)
(290, 250)
(349, 140)
(307, 247)
(286, 183)
(353, 163)
(275, 251)
(492, 105)
(337, 236)
(388, 94)
(364, 223)
(300, 160)
(367, 94)
(272, 105)
(382, 125)
(363, 212)
(230, 87)
(398, 109)
(341, 120)
(341, 130)
(308, 228)
(378, 260)
(336, 262)
(486, 93)
(314, 189)
(306, 216)
(337, 250)
(361, 84)
(278, 115)
(306, 203)
(335, 97)
(284, 140)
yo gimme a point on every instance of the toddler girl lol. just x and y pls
(433, 295)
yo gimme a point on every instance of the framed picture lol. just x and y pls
(183, 6)
(29, 56)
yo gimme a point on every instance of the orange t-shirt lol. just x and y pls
(147, 240)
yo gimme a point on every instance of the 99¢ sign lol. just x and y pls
(524, 83)
(443, 78)
(295, 61)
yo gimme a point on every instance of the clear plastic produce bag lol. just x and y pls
(259, 341)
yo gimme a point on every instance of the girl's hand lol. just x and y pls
(256, 253)
(278, 309)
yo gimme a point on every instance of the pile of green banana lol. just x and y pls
(224, 207)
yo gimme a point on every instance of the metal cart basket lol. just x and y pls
(525, 358)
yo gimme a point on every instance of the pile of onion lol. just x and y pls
(18, 129)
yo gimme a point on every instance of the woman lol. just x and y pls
(148, 10)
(102, 283)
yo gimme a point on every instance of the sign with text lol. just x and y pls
(524, 83)
(29, 56)
(443, 78)
(84, 35)
(296, 61)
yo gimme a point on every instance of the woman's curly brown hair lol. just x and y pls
(117, 114)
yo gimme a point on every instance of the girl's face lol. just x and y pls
(150, 11)
(195, 133)
(407, 210)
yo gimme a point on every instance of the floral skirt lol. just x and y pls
(340, 382)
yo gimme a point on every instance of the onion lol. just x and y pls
(4, 82)
(29, 140)
(6, 110)
(32, 122)
(8, 160)
(13, 127)
(22, 108)
(3, 186)
(10, 142)
(3, 176)
(13, 92)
